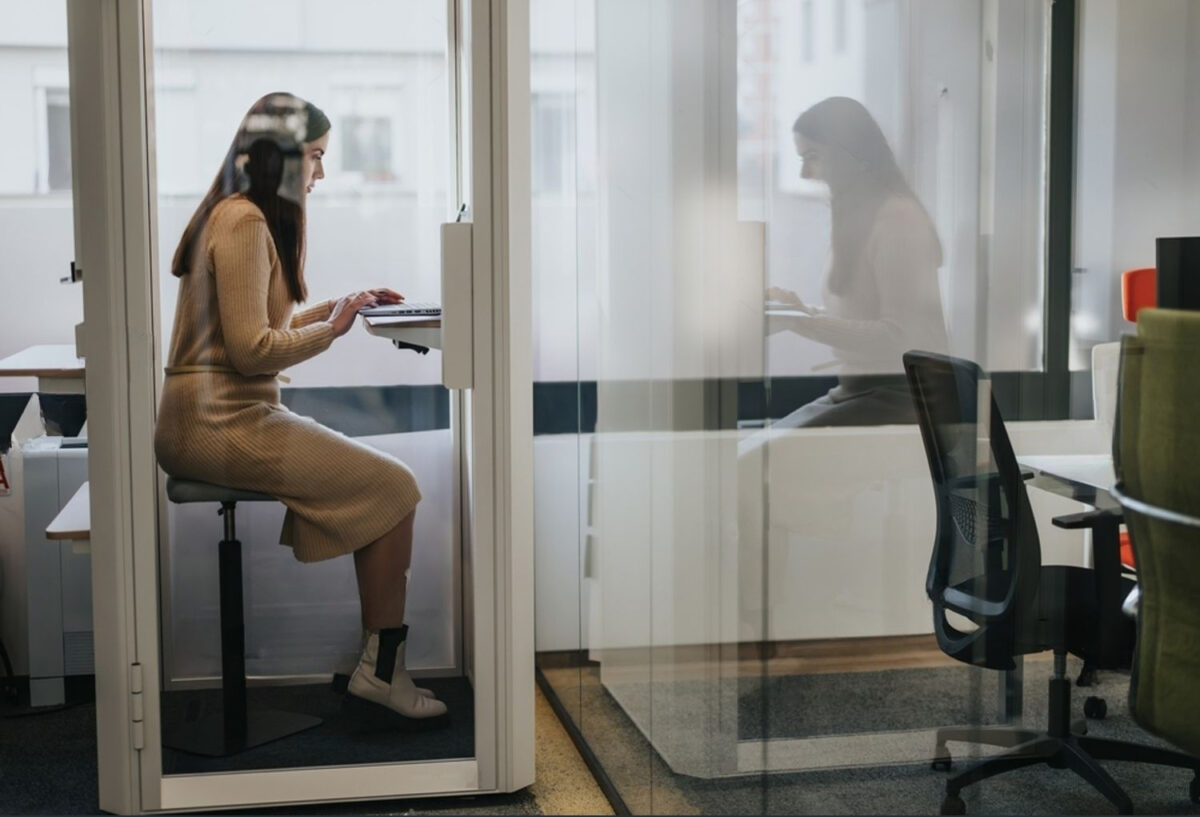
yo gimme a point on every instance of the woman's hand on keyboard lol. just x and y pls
(786, 296)
(346, 310)
(384, 296)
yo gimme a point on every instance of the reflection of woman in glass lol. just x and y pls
(241, 269)
(881, 291)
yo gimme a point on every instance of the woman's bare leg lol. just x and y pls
(382, 571)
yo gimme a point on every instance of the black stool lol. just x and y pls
(237, 728)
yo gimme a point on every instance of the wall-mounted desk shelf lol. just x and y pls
(57, 368)
(74, 521)
(418, 330)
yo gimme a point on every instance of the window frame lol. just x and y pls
(374, 96)
(50, 86)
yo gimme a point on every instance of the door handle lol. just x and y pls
(458, 303)
(75, 277)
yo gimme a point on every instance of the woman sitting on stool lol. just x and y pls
(241, 268)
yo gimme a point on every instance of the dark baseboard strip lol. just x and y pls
(14, 695)
(589, 757)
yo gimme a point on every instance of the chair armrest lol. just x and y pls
(972, 481)
(1086, 519)
(1130, 606)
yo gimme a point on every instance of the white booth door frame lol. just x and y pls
(113, 160)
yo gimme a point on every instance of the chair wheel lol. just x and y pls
(1094, 707)
(941, 764)
(1194, 789)
(953, 804)
(1087, 676)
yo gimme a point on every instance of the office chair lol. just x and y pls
(1138, 291)
(986, 567)
(1156, 440)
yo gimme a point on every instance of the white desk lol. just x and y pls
(74, 521)
(419, 330)
(57, 368)
(1094, 470)
(780, 319)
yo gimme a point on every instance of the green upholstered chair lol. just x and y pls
(1157, 459)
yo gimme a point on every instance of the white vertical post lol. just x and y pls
(514, 430)
(501, 401)
(96, 158)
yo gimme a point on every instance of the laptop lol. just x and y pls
(408, 309)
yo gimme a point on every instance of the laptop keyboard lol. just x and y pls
(406, 308)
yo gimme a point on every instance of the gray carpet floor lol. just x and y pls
(48, 762)
(351, 732)
(797, 706)
(816, 705)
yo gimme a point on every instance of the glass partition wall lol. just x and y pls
(340, 149)
(372, 221)
(1135, 162)
(745, 214)
(45, 591)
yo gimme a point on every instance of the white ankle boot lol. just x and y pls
(373, 680)
(370, 653)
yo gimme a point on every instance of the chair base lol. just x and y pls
(1075, 752)
(1064, 746)
(207, 734)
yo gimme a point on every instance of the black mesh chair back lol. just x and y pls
(986, 555)
(986, 568)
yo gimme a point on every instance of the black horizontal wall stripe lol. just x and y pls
(560, 407)
(361, 411)
(569, 407)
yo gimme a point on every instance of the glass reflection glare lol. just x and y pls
(880, 294)
(367, 188)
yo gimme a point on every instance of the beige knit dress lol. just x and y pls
(220, 419)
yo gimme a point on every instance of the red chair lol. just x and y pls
(1138, 291)
(1126, 550)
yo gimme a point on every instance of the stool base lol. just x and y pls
(206, 735)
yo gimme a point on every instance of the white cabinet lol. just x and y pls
(58, 576)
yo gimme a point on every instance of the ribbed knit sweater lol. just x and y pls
(894, 303)
(220, 419)
(233, 316)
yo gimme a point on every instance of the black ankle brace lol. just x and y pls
(390, 639)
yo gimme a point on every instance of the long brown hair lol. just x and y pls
(844, 123)
(263, 163)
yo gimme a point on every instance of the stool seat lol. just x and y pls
(186, 490)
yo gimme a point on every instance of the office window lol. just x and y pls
(807, 49)
(839, 26)
(553, 146)
(57, 167)
(36, 205)
(184, 162)
(367, 147)
(1136, 169)
(755, 63)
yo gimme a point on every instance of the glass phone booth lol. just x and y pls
(422, 191)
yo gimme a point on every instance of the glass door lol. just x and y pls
(376, 133)
(45, 592)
